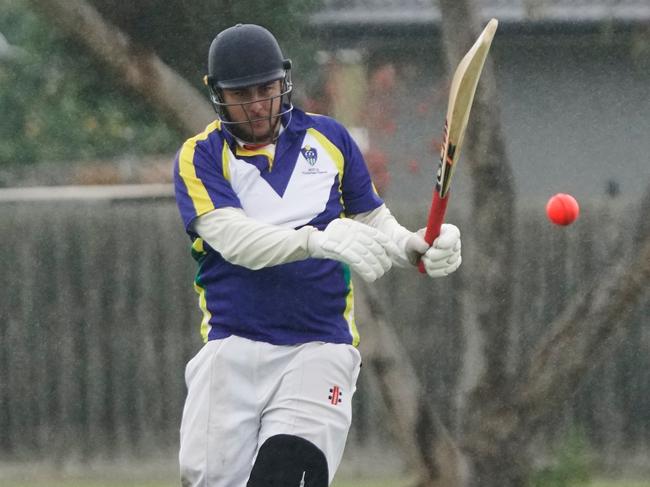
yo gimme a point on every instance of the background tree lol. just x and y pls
(501, 409)
(59, 103)
(180, 32)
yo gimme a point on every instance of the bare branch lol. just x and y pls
(581, 337)
(424, 440)
(141, 70)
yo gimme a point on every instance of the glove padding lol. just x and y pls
(365, 249)
(443, 257)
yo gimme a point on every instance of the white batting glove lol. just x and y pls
(443, 257)
(416, 247)
(365, 249)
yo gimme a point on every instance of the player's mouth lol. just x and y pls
(262, 123)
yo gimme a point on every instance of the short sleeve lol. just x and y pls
(199, 181)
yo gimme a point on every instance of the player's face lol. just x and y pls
(254, 110)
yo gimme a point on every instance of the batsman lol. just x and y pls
(281, 210)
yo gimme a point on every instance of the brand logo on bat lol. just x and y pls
(310, 154)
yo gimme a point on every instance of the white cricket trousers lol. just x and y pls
(242, 392)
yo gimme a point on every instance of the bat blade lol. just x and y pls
(459, 105)
(461, 97)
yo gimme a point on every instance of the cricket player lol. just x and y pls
(280, 209)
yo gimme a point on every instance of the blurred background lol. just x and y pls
(97, 311)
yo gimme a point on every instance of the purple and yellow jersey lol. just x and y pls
(315, 175)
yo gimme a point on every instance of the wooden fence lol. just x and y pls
(98, 318)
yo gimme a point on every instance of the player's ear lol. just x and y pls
(286, 460)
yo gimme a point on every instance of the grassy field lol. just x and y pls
(39, 478)
(74, 481)
(163, 475)
(77, 482)
(361, 483)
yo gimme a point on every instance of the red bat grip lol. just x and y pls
(436, 217)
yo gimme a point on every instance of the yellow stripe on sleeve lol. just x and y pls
(333, 151)
(195, 188)
(335, 154)
(225, 161)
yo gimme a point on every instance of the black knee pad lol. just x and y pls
(289, 461)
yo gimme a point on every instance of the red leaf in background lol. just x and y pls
(389, 127)
(414, 166)
(378, 166)
(435, 145)
(423, 108)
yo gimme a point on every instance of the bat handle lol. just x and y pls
(436, 217)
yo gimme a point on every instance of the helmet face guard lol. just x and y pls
(238, 129)
(244, 56)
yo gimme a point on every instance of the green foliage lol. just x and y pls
(570, 464)
(180, 32)
(59, 104)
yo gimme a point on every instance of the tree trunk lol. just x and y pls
(500, 415)
(584, 334)
(494, 456)
(141, 70)
(425, 442)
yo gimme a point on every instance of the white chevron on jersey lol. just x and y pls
(305, 196)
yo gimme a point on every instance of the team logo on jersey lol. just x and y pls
(335, 395)
(310, 154)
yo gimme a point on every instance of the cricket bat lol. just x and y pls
(461, 96)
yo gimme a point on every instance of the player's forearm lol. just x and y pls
(249, 243)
